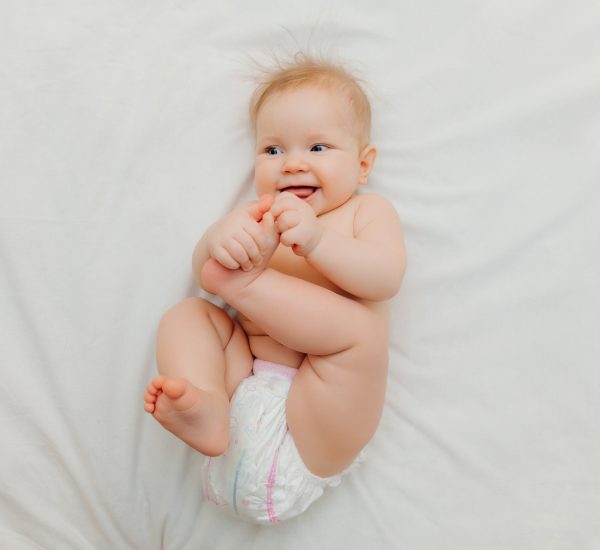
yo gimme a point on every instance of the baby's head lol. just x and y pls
(305, 71)
(312, 123)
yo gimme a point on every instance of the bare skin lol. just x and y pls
(309, 272)
(336, 400)
(195, 407)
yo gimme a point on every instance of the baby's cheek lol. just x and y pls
(263, 181)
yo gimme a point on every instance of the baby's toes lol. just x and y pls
(149, 402)
(157, 383)
(150, 397)
(174, 388)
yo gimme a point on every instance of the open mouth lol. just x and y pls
(301, 191)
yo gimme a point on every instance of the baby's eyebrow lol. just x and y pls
(269, 139)
(318, 137)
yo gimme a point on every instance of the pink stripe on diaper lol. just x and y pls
(266, 366)
(271, 482)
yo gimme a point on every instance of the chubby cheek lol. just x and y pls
(339, 178)
(259, 187)
(264, 179)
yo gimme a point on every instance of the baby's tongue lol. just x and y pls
(301, 192)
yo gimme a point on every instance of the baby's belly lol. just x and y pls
(265, 348)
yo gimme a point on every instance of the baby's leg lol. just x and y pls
(336, 400)
(202, 355)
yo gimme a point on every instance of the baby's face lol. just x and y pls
(307, 143)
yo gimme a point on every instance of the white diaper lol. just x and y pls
(261, 478)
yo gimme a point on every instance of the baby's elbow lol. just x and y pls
(393, 282)
(400, 272)
(394, 286)
(384, 289)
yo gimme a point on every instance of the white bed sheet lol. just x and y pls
(123, 135)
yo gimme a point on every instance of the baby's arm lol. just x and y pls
(369, 265)
(235, 241)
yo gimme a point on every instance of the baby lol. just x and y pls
(284, 398)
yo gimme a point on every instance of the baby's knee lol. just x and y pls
(369, 330)
(185, 310)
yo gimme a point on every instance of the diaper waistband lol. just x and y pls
(266, 366)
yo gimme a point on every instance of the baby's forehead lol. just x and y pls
(302, 113)
(345, 98)
(307, 94)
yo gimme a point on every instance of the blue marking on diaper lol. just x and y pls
(235, 482)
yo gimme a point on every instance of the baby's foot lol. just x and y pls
(199, 418)
(224, 282)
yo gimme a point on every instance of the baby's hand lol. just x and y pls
(297, 222)
(239, 240)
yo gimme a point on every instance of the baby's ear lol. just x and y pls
(367, 161)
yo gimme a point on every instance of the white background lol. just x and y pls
(123, 134)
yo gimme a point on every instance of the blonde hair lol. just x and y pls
(303, 70)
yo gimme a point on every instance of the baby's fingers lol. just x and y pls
(284, 201)
(258, 234)
(231, 254)
(251, 248)
(224, 258)
(268, 224)
(257, 208)
(236, 246)
(290, 237)
(287, 220)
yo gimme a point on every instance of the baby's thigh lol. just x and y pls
(335, 404)
(238, 359)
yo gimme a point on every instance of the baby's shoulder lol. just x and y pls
(358, 212)
(369, 205)
(374, 212)
(371, 200)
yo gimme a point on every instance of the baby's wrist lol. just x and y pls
(317, 242)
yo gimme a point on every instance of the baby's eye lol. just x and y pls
(272, 150)
(319, 148)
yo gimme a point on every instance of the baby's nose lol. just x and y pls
(294, 163)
